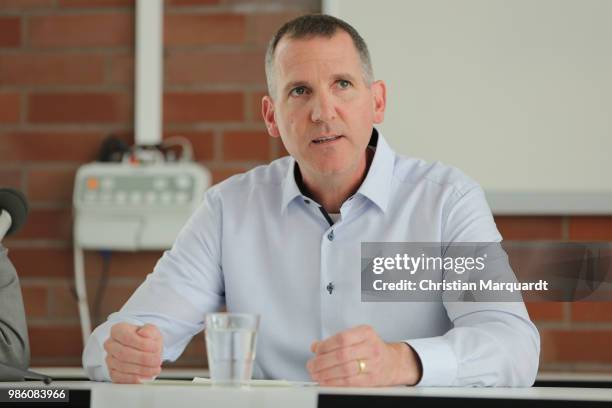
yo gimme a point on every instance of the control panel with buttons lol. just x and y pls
(121, 206)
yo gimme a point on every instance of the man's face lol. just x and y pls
(323, 109)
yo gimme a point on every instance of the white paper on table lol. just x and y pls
(262, 383)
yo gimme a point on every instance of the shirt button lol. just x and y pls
(307, 201)
(330, 236)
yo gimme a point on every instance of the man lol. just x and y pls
(14, 345)
(283, 240)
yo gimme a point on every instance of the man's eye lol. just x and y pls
(344, 84)
(300, 90)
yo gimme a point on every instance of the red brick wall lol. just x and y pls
(575, 336)
(66, 82)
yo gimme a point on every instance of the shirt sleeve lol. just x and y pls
(14, 345)
(490, 343)
(186, 283)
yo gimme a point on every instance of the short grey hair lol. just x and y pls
(317, 25)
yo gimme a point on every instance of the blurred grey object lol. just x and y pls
(14, 344)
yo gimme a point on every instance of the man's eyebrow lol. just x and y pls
(345, 76)
(336, 77)
(294, 84)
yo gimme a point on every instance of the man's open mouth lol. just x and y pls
(327, 139)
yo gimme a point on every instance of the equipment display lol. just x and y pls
(130, 207)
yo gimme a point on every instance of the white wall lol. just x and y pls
(516, 93)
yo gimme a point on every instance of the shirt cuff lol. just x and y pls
(94, 355)
(438, 361)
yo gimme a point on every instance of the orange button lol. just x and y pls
(92, 183)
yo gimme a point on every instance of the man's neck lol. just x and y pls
(332, 191)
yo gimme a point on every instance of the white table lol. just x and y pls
(571, 379)
(184, 394)
(77, 373)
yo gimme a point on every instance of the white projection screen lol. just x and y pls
(516, 93)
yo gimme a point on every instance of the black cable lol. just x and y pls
(102, 284)
(112, 149)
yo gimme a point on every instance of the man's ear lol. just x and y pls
(267, 111)
(379, 95)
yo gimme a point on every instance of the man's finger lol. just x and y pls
(127, 336)
(360, 380)
(344, 339)
(149, 331)
(363, 350)
(130, 355)
(344, 370)
(135, 369)
(122, 378)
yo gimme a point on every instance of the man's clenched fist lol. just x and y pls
(358, 357)
(133, 353)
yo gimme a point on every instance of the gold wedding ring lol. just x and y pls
(362, 366)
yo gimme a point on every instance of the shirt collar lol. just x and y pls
(376, 186)
(290, 187)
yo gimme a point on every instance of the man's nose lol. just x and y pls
(323, 109)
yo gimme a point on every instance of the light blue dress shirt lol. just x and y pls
(257, 244)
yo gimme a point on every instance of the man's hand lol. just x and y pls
(133, 353)
(337, 360)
